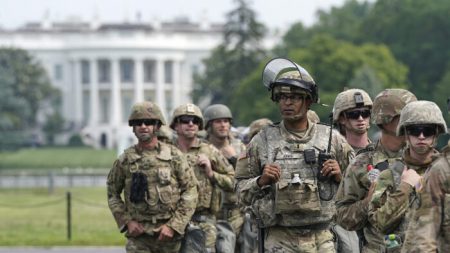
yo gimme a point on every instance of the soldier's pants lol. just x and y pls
(207, 224)
(291, 240)
(150, 244)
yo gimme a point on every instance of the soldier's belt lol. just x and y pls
(308, 228)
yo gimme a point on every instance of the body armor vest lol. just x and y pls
(163, 191)
(295, 200)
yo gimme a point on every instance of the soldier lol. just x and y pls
(212, 170)
(255, 127)
(429, 229)
(158, 185)
(351, 115)
(290, 194)
(355, 191)
(395, 198)
(218, 120)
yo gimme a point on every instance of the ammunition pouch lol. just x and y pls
(302, 197)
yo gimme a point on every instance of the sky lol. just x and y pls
(273, 13)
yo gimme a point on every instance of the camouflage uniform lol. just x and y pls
(394, 201)
(429, 228)
(296, 214)
(209, 190)
(170, 196)
(352, 211)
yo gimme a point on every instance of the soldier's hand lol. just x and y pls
(271, 174)
(331, 168)
(165, 232)
(411, 177)
(205, 164)
(369, 195)
(135, 228)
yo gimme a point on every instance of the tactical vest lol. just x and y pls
(294, 201)
(209, 196)
(163, 190)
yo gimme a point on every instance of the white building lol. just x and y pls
(102, 70)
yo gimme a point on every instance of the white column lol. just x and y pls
(138, 80)
(93, 90)
(160, 85)
(116, 110)
(77, 89)
(176, 86)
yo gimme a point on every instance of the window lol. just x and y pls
(85, 72)
(126, 71)
(58, 72)
(104, 71)
(104, 108)
(150, 71)
(168, 71)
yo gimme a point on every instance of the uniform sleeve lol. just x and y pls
(188, 195)
(223, 171)
(115, 185)
(425, 227)
(343, 151)
(389, 203)
(248, 170)
(351, 210)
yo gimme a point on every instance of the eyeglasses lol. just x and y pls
(188, 119)
(357, 113)
(147, 122)
(416, 130)
(295, 98)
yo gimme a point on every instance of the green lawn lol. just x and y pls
(57, 158)
(32, 217)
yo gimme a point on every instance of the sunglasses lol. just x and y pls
(416, 130)
(188, 119)
(356, 114)
(147, 122)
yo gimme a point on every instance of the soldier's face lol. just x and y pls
(356, 120)
(220, 128)
(187, 127)
(145, 133)
(293, 106)
(421, 138)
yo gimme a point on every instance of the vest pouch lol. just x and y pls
(290, 198)
(263, 209)
(204, 189)
(164, 175)
(165, 196)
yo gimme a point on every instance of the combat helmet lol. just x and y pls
(283, 75)
(352, 98)
(256, 126)
(146, 110)
(187, 109)
(420, 113)
(216, 111)
(389, 103)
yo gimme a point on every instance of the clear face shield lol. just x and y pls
(281, 71)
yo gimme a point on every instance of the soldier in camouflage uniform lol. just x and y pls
(351, 115)
(395, 199)
(213, 172)
(429, 229)
(158, 186)
(291, 196)
(218, 122)
(355, 191)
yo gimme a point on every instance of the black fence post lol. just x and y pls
(69, 215)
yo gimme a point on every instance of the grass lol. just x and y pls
(33, 217)
(57, 158)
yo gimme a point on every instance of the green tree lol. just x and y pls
(25, 87)
(417, 33)
(234, 59)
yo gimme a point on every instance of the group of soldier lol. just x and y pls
(300, 185)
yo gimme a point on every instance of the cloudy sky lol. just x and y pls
(273, 13)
